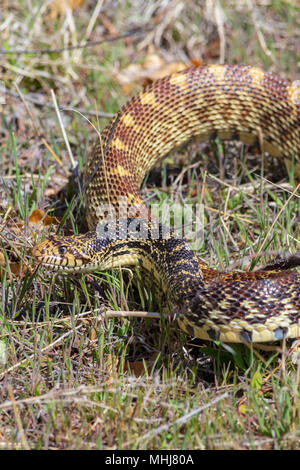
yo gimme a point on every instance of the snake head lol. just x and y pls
(64, 254)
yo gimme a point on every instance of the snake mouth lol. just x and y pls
(54, 265)
(59, 265)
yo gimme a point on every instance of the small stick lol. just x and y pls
(63, 130)
(46, 348)
(18, 418)
(37, 102)
(123, 313)
(35, 126)
(133, 32)
(178, 421)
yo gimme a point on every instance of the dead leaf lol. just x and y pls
(153, 68)
(153, 61)
(138, 367)
(196, 62)
(38, 215)
(108, 25)
(128, 76)
(167, 69)
(212, 51)
(20, 269)
(16, 268)
(93, 334)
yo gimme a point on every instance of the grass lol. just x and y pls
(72, 378)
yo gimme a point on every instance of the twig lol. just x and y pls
(37, 102)
(178, 421)
(107, 314)
(90, 27)
(46, 348)
(18, 418)
(63, 130)
(133, 313)
(37, 131)
(260, 36)
(133, 32)
(103, 152)
(219, 16)
(277, 217)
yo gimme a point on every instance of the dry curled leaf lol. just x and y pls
(17, 269)
(38, 215)
(138, 367)
(93, 334)
(20, 269)
(153, 68)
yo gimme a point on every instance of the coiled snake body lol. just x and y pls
(239, 102)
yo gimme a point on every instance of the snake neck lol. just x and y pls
(169, 261)
(175, 267)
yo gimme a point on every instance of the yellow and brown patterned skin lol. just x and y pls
(226, 101)
(231, 102)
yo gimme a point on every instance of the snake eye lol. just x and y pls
(62, 250)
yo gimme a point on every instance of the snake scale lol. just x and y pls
(224, 101)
